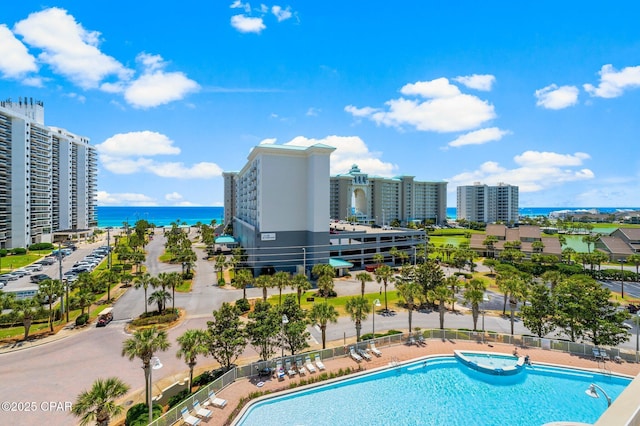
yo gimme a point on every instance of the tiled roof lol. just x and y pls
(614, 245)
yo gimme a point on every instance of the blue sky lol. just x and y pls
(545, 96)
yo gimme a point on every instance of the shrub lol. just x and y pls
(3, 252)
(155, 319)
(138, 415)
(221, 281)
(243, 305)
(203, 379)
(19, 250)
(187, 275)
(82, 319)
(41, 246)
(178, 398)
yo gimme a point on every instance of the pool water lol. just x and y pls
(441, 391)
(493, 360)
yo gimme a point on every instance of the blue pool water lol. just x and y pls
(493, 360)
(442, 391)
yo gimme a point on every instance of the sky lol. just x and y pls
(543, 95)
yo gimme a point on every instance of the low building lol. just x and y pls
(527, 237)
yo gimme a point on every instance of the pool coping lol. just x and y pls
(400, 364)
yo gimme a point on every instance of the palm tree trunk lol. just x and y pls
(145, 300)
(441, 312)
(512, 314)
(386, 308)
(264, 294)
(324, 336)
(474, 315)
(410, 312)
(358, 327)
(300, 296)
(173, 302)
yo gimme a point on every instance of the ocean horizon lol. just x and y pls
(116, 216)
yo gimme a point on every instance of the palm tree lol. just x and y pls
(442, 294)
(25, 310)
(264, 282)
(192, 343)
(143, 344)
(363, 277)
(242, 280)
(143, 281)
(109, 277)
(99, 403)
(383, 274)
(394, 253)
(325, 274)
(160, 297)
(411, 293)
(221, 263)
(588, 240)
(50, 289)
(281, 280)
(321, 314)
(174, 279)
(634, 259)
(453, 282)
(474, 295)
(358, 307)
(85, 298)
(301, 284)
(378, 258)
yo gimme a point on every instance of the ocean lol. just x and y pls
(164, 216)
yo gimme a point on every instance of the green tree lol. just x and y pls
(384, 274)
(295, 331)
(429, 275)
(143, 281)
(489, 243)
(634, 259)
(227, 337)
(589, 240)
(99, 403)
(301, 284)
(264, 282)
(538, 314)
(173, 280)
(281, 280)
(160, 297)
(552, 277)
(378, 259)
(441, 294)
(192, 343)
(473, 296)
(242, 280)
(393, 252)
(49, 290)
(263, 329)
(410, 292)
(26, 311)
(221, 263)
(109, 277)
(325, 274)
(143, 345)
(322, 314)
(358, 308)
(363, 277)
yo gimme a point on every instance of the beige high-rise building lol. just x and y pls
(488, 204)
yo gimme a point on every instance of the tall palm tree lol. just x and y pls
(109, 277)
(442, 294)
(301, 284)
(50, 290)
(144, 344)
(325, 274)
(321, 314)
(378, 258)
(25, 308)
(242, 280)
(174, 279)
(264, 282)
(99, 403)
(383, 274)
(143, 281)
(221, 263)
(363, 277)
(358, 308)
(85, 298)
(453, 282)
(160, 297)
(192, 343)
(281, 280)
(474, 295)
(411, 293)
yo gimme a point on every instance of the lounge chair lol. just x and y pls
(364, 354)
(200, 411)
(319, 362)
(188, 418)
(375, 350)
(309, 364)
(279, 370)
(420, 340)
(604, 355)
(300, 367)
(289, 368)
(354, 354)
(411, 341)
(215, 401)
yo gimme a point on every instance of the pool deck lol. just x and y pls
(401, 353)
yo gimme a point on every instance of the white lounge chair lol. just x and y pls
(289, 368)
(364, 354)
(215, 401)
(354, 354)
(319, 362)
(279, 370)
(188, 418)
(309, 364)
(300, 367)
(375, 350)
(604, 355)
(200, 411)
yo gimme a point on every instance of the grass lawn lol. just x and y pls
(340, 302)
(11, 262)
(185, 287)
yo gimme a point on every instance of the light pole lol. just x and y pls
(155, 365)
(376, 303)
(304, 261)
(108, 247)
(285, 321)
(591, 391)
(636, 320)
(485, 299)
(622, 262)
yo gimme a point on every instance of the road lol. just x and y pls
(58, 371)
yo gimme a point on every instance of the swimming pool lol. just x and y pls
(442, 390)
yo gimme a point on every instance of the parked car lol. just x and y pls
(21, 272)
(47, 261)
(39, 278)
(9, 276)
(33, 267)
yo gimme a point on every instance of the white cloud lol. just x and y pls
(482, 82)
(156, 87)
(312, 112)
(349, 150)
(237, 4)
(144, 143)
(268, 141)
(280, 13)
(613, 83)
(124, 199)
(15, 60)
(554, 97)
(246, 24)
(446, 110)
(537, 171)
(203, 170)
(479, 137)
(68, 48)
(173, 196)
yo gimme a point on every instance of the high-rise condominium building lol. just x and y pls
(281, 199)
(48, 177)
(488, 204)
(374, 199)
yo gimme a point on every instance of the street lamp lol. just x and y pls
(622, 262)
(155, 365)
(285, 321)
(636, 320)
(304, 261)
(591, 391)
(376, 303)
(485, 299)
